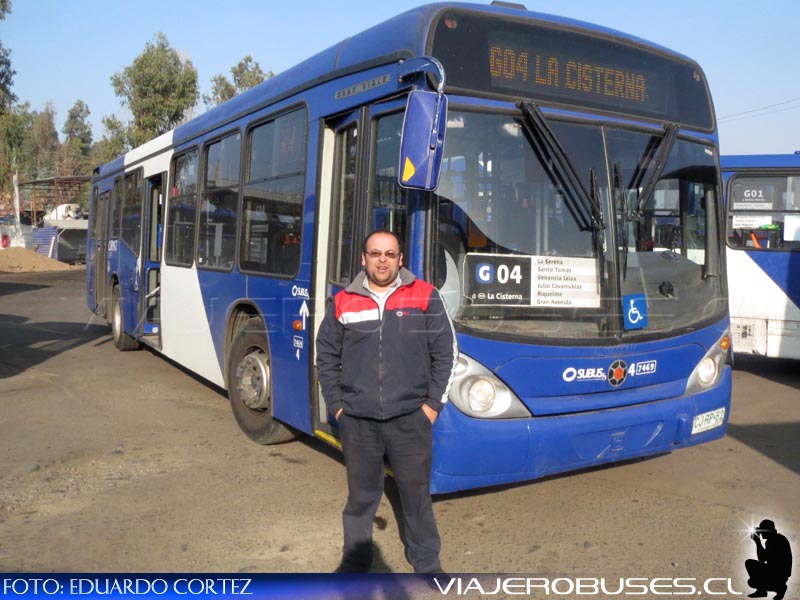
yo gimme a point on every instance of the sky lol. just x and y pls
(68, 50)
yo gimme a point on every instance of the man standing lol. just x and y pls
(386, 353)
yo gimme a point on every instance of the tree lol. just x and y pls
(158, 88)
(39, 148)
(222, 90)
(15, 125)
(77, 126)
(73, 156)
(112, 144)
(7, 97)
(246, 74)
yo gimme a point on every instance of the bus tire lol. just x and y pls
(250, 385)
(122, 341)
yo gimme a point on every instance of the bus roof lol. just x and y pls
(403, 36)
(731, 162)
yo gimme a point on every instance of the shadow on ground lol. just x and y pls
(25, 344)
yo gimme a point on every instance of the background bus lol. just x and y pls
(763, 221)
(574, 233)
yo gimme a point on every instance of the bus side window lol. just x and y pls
(182, 210)
(216, 243)
(272, 211)
(116, 209)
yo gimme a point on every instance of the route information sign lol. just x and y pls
(545, 281)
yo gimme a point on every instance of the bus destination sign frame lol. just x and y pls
(531, 281)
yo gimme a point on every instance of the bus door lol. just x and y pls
(358, 194)
(150, 301)
(340, 220)
(100, 253)
(91, 239)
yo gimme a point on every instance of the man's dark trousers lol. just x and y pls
(406, 441)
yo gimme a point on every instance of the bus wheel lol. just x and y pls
(122, 340)
(250, 386)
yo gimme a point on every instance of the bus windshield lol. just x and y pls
(515, 252)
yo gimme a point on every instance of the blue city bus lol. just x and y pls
(762, 195)
(559, 183)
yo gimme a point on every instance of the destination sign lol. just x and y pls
(498, 279)
(757, 193)
(585, 68)
(542, 281)
(516, 63)
(565, 281)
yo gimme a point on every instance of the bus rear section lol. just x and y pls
(763, 248)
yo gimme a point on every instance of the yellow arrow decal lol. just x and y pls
(408, 170)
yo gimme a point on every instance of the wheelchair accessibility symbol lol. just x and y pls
(634, 316)
(634, 309)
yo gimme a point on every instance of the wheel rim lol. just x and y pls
(253, 376)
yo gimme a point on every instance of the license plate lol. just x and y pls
(709, 420)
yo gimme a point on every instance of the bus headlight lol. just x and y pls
(482, 394)
(478, 393)
(707, 372)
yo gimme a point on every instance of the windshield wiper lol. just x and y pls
(619, 201)
(654, 174)
(585, 207)
(597, 235)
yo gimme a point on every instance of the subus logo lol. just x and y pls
(615, 374)
(484, 273)
(571, 374)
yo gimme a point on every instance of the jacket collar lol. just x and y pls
(357, 286)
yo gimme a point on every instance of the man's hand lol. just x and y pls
(338, 414)
(430, 413)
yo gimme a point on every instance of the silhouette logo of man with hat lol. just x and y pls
(772, 569)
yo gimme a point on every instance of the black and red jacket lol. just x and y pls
(381, 367)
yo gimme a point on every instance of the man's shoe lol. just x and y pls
(436, 580)
(348, 568)
(758, 594)
(780, 592)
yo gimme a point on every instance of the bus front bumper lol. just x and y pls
(471, 453)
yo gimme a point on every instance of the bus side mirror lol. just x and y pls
(422, 140)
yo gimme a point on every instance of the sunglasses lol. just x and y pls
(390, 254)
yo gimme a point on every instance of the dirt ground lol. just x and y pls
(22, 260)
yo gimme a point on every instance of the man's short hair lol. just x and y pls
(387, 232)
